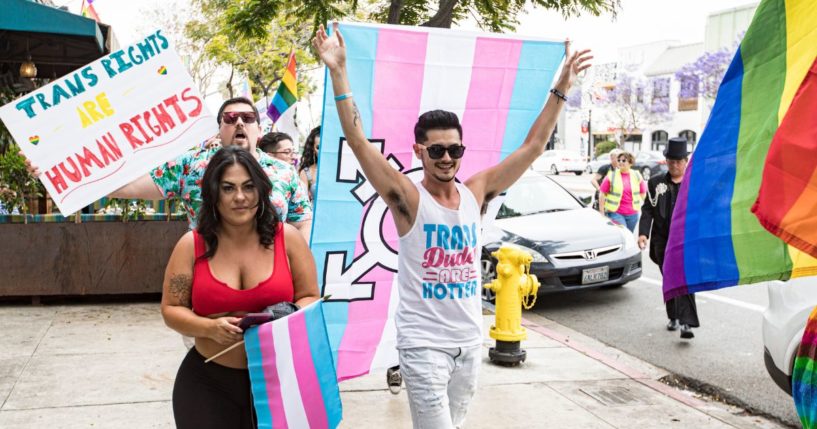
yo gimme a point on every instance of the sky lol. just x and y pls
(638, 21)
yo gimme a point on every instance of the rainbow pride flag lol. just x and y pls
(804, 375)
(87, 10)
(292, 373)
(287, 93)
(715, 240)
(496, 84)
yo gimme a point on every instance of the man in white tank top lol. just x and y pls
(439, 316)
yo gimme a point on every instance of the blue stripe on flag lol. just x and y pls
(324, 365)
(337, 223)
(254, 364)
(538, 64)
(279, 103)
(709, 254)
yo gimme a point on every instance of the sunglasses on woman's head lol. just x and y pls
(231, 118)
(437, 151)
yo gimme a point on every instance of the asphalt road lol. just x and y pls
(726, 353)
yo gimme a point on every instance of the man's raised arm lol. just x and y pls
(500, 177)
(395, 188)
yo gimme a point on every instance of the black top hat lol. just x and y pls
(676, 148)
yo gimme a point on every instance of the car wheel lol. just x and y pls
(553, 169)
(488, 265)
(646, 173)
(579, 173)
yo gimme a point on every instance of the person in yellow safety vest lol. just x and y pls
(622, 193)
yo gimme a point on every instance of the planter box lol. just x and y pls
(89, 258)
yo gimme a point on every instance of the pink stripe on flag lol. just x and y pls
(367, 320)
(274, 394)
(396, 102)
(489, 96)
(310, 388)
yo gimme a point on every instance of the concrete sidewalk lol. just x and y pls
(112, 366)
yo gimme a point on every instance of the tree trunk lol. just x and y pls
(444, 16)
(230, 82)
(395, 9)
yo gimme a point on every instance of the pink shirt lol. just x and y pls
(626, 206)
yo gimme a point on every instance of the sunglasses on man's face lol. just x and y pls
(437, 151)
(231, 118)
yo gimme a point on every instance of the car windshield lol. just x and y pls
(536, 195)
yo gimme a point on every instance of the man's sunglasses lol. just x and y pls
(231, 118)
(623, 160)
(437, 151)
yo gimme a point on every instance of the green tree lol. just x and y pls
(249, 17)
(261, 56)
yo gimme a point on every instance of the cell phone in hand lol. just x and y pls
(251, 319)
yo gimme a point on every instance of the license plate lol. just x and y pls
(595, 275)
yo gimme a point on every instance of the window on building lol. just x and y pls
(688, 95)
(659, 140)
(692, 138)
(660, 95)
(633, 143)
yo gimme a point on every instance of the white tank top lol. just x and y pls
(438, 275)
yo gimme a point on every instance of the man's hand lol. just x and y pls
(331, 50)
(212, 142)
(642, 242)
(32, 169)
(574, 64)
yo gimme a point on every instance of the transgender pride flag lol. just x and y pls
(496, 84)
(292, 373)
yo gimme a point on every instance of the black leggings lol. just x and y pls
(209, 395)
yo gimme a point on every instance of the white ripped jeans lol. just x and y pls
(440, 384)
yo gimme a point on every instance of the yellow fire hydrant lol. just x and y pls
(514, 288)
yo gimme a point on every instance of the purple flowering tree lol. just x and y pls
(633, 103)
(702, 77)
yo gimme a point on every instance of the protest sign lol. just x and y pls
(107, 123)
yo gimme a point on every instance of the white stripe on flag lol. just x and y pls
(290, 392)
(385, 355)
(447, 74)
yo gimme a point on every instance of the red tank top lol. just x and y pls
(212, 296)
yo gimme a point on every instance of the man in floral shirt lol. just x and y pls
(238, 125)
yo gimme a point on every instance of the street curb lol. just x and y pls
(616, 365)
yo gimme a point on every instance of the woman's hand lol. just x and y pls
(574, 64)
(225, 330)
(332, 50)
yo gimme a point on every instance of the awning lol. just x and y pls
(57, 40)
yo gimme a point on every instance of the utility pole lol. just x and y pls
(590, 143)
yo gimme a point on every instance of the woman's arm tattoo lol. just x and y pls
(181, 286)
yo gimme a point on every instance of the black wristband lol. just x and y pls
(559, 94)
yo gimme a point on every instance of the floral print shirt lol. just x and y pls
(182, 177)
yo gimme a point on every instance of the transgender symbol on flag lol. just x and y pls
(294, 384)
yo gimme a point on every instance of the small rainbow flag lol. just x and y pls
(292, 373)
(88, 10)
(804, 375)
(715, 240)
(287, 93)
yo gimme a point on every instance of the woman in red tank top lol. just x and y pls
(240, 259)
